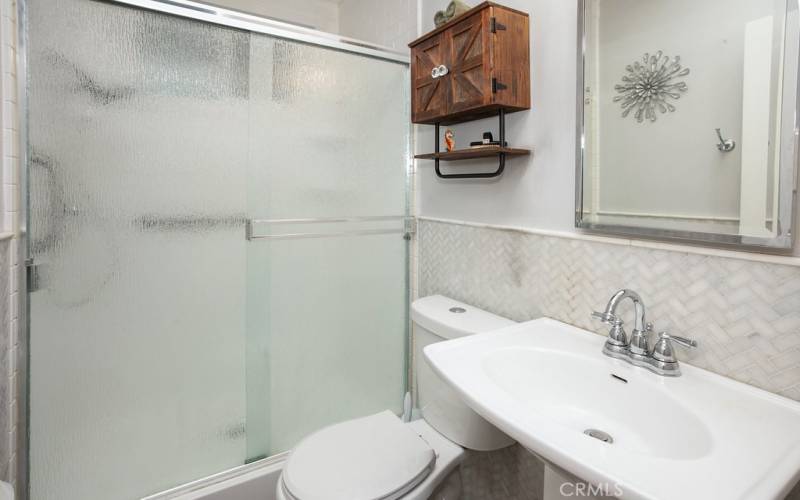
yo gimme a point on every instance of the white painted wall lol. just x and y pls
(322, 15)
(391, 23)
(536, 192)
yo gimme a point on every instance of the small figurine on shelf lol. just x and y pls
(449, 140)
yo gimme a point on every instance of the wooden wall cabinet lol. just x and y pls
(486, 53)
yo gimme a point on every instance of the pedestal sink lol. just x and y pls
(637, 434)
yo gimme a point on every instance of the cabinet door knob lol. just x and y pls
(439, 71)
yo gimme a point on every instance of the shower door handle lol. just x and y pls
(32, 275)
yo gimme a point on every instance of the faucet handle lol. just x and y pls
(664, 351)
(690, 343)
(617, 341)
(607, 318)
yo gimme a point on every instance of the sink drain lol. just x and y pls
(602, 436)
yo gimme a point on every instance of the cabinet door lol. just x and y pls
(510, 53)
(469, 78)
(429, 95)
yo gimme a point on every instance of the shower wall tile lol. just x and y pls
(7, 365)
(744, 314)
(9, 285)
(10, 120)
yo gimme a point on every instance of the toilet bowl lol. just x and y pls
(379, 457)
(373, 457)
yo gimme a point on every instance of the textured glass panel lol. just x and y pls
(329, 132)
(138, 141)
(326, 317)
(333, 339)
(164, 346)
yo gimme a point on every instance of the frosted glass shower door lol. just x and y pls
(327, 297)
(216, 220)
(137, 154)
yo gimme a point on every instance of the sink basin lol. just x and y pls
(591, 398)
(697, 436)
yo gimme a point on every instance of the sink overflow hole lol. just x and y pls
(457, 310)
(620, 378)
(602, 436)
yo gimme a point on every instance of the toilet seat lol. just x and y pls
(370, 458)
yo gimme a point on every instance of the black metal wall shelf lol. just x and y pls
(500, 152)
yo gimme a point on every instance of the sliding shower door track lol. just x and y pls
(267, 26)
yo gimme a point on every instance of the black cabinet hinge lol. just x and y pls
(497, 86)
(494, 26)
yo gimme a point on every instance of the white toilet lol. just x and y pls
(378, 457)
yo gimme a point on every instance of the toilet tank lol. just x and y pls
(437, 318)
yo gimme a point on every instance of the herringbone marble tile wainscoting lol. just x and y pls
(745, 314)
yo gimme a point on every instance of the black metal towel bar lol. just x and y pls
(483, 175)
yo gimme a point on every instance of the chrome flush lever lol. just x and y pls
(725, 145)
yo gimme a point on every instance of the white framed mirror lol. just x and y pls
(687, 120)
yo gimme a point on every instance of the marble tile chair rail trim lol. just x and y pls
(716, 252)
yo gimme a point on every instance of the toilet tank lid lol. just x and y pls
(450, 319)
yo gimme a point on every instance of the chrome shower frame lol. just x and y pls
(257, 24)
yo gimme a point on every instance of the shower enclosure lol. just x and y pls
(217, 239)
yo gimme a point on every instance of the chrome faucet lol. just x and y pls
(661, 359)
(617, 344)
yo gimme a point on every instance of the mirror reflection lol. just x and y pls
(688, 118)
